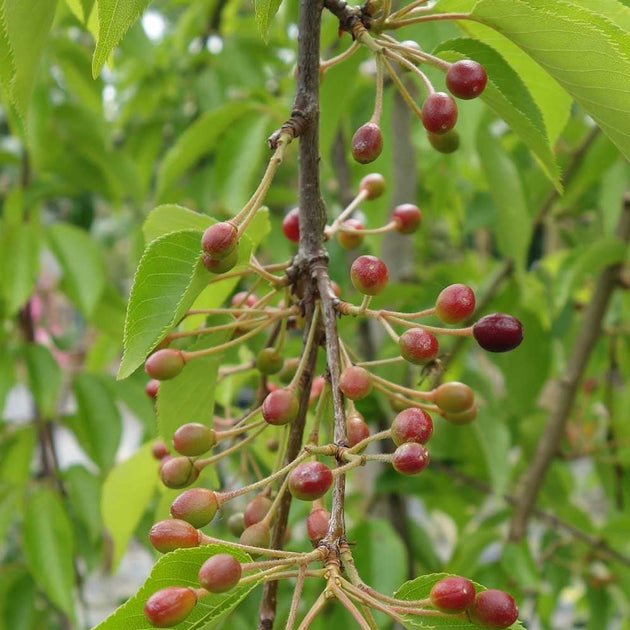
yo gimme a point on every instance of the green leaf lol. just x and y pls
(114, 19)
(19, 250)
(16, 454)
(173, 218)
(180, 568)
(181, 400)
(168, 279)
(27, 24)
(97, 423)
(82, 264)
(509, 97)
(513, 226)
(420, 589)
(48, 537)
(587, 53)
(265, 11)
(494, 439)
(44, 376)
(84, 492)
(123, 503)
(198, 140)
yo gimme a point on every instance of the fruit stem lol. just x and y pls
(386, 325)
(313, 611)
(394, 24)
(457, 332)
(400, 388)
(405, 62)
(302, 560)
(346, 212)
(329, 63)
(210, 329)
(275, 281)
(322, 403)
(406, 9)
(359, 446)
(364, 304)
(222, 435)
(202, 463)
(404, 92)
(419, 55)
(350, 607)
(295, 381)
(385, 228)
(263, 551)
(295, 600)
(378, 100)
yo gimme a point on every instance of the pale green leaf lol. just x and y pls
(265, 11)
(494, 440)
(27, 25)
(588, 54)
(97, 423)
(19, 253)
(198, 140)
(191, 397)
(114, 19)
(513, 227)
(124, 503)
(44, 378)
(7, 63)
(180, 568)
(82, 264)
(16, 456)
(84, 493)
(508, 96)
(173, 218)
(419, 588)
(168, 279)
(48, 545)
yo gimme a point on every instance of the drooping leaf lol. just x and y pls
(168, 279)
(97, 423)
(508, 96)
(513, 227)
(265, 11)
(44, 376)
(589, 55)
(198, 140)
(84, 492)
(48, 547)
(114, 19)
(127, 491)
(180, 568)
(27, 24)
(82, 264)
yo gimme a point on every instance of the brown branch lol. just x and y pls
(543, 515)
(532, 480)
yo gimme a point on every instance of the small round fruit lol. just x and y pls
(412, 425)
(173, 534)
(439, 112)
(289, 368)
(455, 303)
(461, 417)
(220, 265)
(243, 299)
(367, 143)
(498, 332)
(256, 535)
(164, 364)
(452, 594)
(169, 606)
(310, 480)
(317, 387)
(196, 506)
(407, 218)
(454, 397)
(369, 275)
(317, 524)
(220, 573)
(269, 361)
(350, 240)
(256, 510)
(418, 346)
(178, 472)
(220, 239)
(373, 185)
(466, 79)
(193, 438)
(291, 225)
(355, 382)
(493, 609)
(152, 387)
(444, 142)
(410, 458)
(236, 523)
(357, 429)
(159, 450)
(280, 407)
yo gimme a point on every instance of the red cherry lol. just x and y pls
(170, 606)
(418, 345)
(455, 303)
(280, 406)
(367, 143)
(193, 438)
(355, 382)
(256, 510)
(369, 275)
(243, 299)
(356, 429)
(220, 239)
(493, 609)
(373, 185)
(310, 480)
(152, 387)
(159, 450)
(173, 534)
(350, 240)
(220, 573)
(412, 425)
(452, 594)
(466, 79)
(291, 225)
(196, 506)
(178, 472)
(410, 458)
(317, 524)
(164, 364)
(407, 218)
(439, 112)
(498, 332)
(454, 397)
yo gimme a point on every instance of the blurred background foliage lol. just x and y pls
(181, 114)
